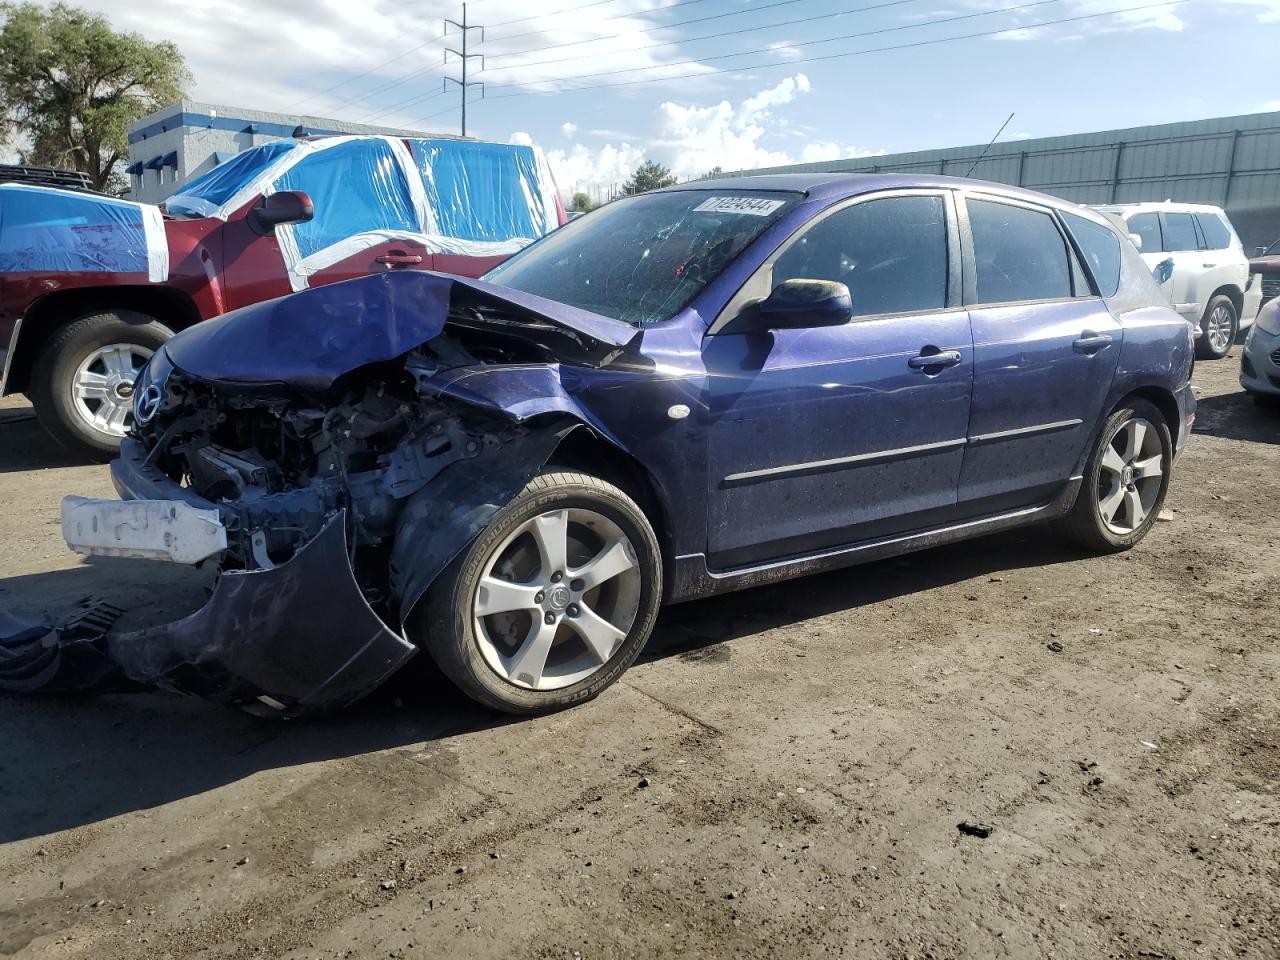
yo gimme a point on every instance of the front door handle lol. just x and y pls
(1091, 343)
(398, 259)
(934, 362)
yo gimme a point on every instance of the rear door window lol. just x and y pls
(356, 187)
(1019, 253)
(1216, 234)
(891, 254)
(1147, 226)
(1100, 248)
(1179, 232)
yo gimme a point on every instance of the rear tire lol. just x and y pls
(571, 576)
(1125, 483)
(1218, 329)
(104, 352)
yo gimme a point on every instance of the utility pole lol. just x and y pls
(464, 29)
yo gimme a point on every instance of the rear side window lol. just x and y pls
(891, 253)
(1019, 254)
(1101, 250)
(1179, 232)
(1147, 226)
(1216, 234)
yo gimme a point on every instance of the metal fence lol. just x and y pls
(1231, 162)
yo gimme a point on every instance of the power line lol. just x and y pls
(634, 33)
(808, 43)
(422, 98)
(342, 83)
(716, 36)
(851, 53)
(595, 3)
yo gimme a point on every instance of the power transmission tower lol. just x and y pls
(464, 29)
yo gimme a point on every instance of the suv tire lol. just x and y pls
(104, 350)
(1218, 328)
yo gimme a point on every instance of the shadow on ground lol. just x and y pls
(67, 761)
(1235, 416)
(24, 444)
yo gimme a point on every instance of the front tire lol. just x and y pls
(1125, 481)
(551, 603)
(1218, 329)
(82, 381)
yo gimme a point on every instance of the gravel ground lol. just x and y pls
(782, 775)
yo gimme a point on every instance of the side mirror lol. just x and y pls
(805, 303)
(1136, 240)
(287, 206)
(1259, 251)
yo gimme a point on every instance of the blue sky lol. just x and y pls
(1182, 61)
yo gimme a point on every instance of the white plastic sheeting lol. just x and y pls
(459, 197)
(47, 230)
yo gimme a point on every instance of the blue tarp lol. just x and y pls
(44, 229)
(482, 191)
(210, 191)
(369, 188)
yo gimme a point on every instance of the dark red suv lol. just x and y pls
(91, 285)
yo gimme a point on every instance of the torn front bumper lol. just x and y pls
(296, 638)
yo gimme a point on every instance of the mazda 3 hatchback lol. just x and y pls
(697, 390)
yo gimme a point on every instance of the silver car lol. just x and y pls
(1260, 363)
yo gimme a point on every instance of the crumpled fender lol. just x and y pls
(442, 518)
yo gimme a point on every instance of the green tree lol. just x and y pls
(70, 86)
(650, 175)
(716, 171)
(581, 203)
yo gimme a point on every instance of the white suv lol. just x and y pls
(1211, 285)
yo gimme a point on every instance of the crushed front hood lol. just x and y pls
(311, 338)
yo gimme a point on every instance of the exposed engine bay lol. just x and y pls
(342, 490)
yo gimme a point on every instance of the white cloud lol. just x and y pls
(568, 128)
(328, 43)
(788, 51)
(691, 138)
(522, 138)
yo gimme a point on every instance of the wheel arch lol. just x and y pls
(1232, 293)
(585, 450)
(172, 308)
(1162, 400)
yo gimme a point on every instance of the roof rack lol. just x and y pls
(45, 177)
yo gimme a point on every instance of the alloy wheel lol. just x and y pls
(557, 599)
(1218, 328)
(102, 388)
(1130, 477)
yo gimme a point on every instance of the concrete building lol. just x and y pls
(1231, 162)
(186, 139)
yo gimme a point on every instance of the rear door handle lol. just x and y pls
(1091, 343)
(934, 362)
(398, 259)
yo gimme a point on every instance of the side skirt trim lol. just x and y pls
(691, 578)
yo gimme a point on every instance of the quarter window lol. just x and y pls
(1019, 254)
(891, 254)
(1101, 249)
(1179, 232)
(1216, 234)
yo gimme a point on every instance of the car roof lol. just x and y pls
(1156, 206)
(837, 185)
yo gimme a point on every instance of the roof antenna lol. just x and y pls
(988, 146)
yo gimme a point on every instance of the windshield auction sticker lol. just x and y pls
(753, 206)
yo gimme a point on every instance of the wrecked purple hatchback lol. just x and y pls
(696, 390)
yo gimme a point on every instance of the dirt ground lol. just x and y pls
(782, 774)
